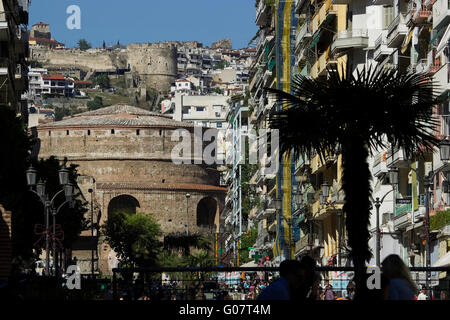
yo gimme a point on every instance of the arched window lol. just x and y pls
(124, 204)
(206, 212)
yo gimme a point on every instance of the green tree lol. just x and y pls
(354, 114)
(35, 64)
(222, 64)
(134, 238)
(102, 80)
(440, 220)
(181, 243)
(60, 113)
(95, 104)
(247, 242)
(218, 90)
(83, 45)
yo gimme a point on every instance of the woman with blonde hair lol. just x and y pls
(399, 284)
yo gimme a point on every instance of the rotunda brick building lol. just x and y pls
(124, 157)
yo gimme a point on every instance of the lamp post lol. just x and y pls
(188, 195)
(444, 152)
(393, 180)
(48, 203)
(91, 191)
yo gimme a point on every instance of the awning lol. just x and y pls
(315, 39)
(437, 35)
(444, 261)
(250, 264)
(444, 41)
(407, 41)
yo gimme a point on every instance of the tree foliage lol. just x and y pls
(102, 80)
(84, 45)
(247, 241)
(440, 220)
(355, 114)
(95, 104)
(135, 238)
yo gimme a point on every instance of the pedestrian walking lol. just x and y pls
(329, 293)
(399, 284)
(286, 286)
(423, 294)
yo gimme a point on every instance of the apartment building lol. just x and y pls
(53, 85)
(13, 52)
(236, 220)
(309, 38)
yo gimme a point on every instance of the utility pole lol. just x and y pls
(92, 231)
(187, 213)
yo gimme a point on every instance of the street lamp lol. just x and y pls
(40, 188)
(322, 198)
(31, 176)
(63, 176)
(325, 189)
(393, 176)
(188, 195)
(49, 205)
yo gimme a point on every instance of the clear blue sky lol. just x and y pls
(149, 20)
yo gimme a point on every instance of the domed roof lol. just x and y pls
(118, 115)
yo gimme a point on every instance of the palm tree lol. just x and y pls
(354, 115)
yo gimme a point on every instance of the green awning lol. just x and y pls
(437, 35)
(315, 38)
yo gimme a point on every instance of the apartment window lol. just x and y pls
(217, 114)
(219, 124)
(199, 108)
(89, 132)
(388, 16)
(137, 132)
(67, 132)
(186, 109)
(113, 131)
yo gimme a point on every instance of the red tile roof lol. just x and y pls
(83, 82)
(53, 77)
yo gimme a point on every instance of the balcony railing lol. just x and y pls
(441, 13)
(397, 31)
(321, 15)
(356, 38)
(303, 32)
(381, 48)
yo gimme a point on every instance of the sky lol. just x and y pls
(132, 21)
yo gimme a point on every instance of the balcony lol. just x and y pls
(302, 244)
(273, 226)
(325, 12)
(379, 164)
(4, 64)
(381, 48)
(319, 68)
(397, 31)
(417, 16)
(317, 164)
(441, 78)
(303, 32)
(398, 159)
(441, 14)
(345, 39)
(262, 13)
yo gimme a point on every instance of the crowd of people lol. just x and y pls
(300, 281)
